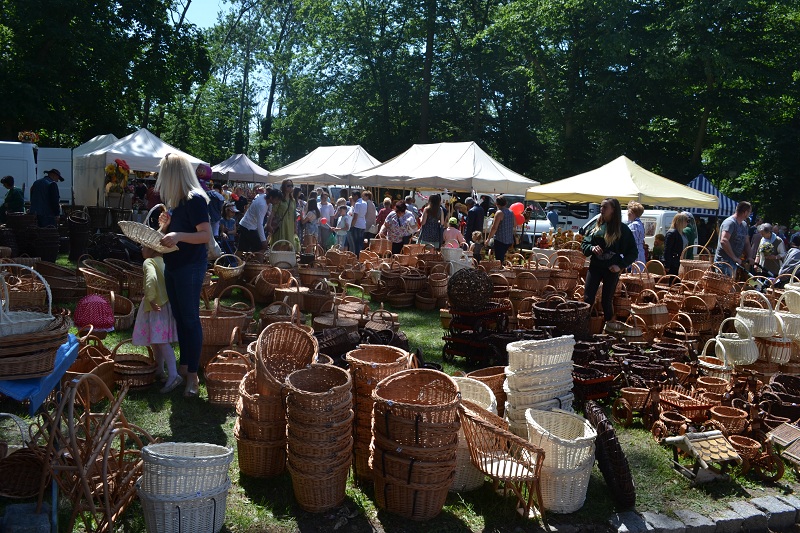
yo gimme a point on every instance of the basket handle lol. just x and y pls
(44, 282)
(239, 260)
(780, 300)
(245, 291)
(291, 246)
(296, 315)
(646, 292)
(82, 340)
(758, 295)
(675, 322)
(236, 336)
(679, 316)
(717, 344)
(740, 321)
(693, 246)
(231, 354)
(692, 298)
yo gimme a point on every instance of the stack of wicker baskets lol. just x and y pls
(320, 435)
(184, 486)
(260, 429)
(568, 443)
(467, 477)
(368, 365)
(538, 376)
(415, 442)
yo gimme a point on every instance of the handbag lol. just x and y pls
(214, 251)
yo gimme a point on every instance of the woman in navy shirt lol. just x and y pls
(186, 226)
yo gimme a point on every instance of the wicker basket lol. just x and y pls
(692, 269)
(734, 420)
(226, 272)
(281, 349)
(283, 256)
(530, 354)
(137, 370)
(760, 321)
(564, 489)
(319, 388)
(124, 311)
(469, 290)
(182, 468)
(224, 372)
(201, 511)
(14, 322)
(740, 348)
(493, 377)
(654, 312)
(566, 438)
(218, 322)
(317, 493)
(145, 235)
(90, 360)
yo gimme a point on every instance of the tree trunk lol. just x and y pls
(425, 104)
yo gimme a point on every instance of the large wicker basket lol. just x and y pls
(180, 468)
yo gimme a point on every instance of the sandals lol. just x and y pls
(191, 390)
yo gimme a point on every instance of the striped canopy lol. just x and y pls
(727, 207)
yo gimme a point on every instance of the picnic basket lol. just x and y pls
(692, 269)
(653, 312)
(760, 321)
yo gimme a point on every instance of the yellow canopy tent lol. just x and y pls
(626, 181)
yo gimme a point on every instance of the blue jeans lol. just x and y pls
(727, 266)
(184, 284)
(358, 240)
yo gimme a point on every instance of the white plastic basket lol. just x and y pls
(566, 438)
(527, 355)
(180, 468)
(528, 380)
(203, 512)
(564, 489)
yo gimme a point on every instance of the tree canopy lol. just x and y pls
(551, 88)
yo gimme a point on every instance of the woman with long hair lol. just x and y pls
(502, 230)
(432, 223)
(185, 224)
(674, 243)
(311, 219)
(283, 217)
(612, 248)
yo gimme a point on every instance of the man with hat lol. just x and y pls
(45, 198)
(14, 201)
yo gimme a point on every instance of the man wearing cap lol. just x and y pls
(45, 198)
(14, 201)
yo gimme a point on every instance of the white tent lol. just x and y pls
(327, 165)
(239, 167)
(141, 150)
(454, 166)
(95, 143)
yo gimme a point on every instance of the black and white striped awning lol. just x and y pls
(726, 206)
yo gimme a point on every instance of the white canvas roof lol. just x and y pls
(95, 143)
(460, 166)
(141, 150)
(239, 167)
(327, 165)
(626, 181)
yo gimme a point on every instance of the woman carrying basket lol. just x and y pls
(186, 226)
(612, 248)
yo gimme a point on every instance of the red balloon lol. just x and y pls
(323, 220)
(519, 218)
(517, 208)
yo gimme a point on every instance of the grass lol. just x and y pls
(256, 505)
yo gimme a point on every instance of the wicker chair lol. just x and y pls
(503, 456)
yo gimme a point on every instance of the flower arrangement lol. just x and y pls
(28, 137)
(117, 176)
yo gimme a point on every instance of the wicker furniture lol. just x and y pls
(504, 457)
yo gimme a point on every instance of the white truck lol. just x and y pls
(19, 161)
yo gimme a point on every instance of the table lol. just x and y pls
(36, 390)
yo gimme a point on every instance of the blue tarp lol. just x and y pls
(726, 206)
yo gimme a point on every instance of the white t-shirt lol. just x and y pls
(343, 225)
(326, 210)
(360, 208)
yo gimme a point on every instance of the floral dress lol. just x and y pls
(154, 327)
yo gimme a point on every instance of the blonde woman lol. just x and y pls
(186, 225)
(674, 243)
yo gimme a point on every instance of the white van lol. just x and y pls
(19, 160)
(656, 221)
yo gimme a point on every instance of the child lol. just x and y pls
(342, 227)
(227, 228)
(477, 245)
(658, 246)
(452, 233)
(155, 326)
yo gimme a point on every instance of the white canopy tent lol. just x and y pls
(626, 181)
(453, 166)
(239, 167)
(141, 150)
(327, 165)
(95, 143)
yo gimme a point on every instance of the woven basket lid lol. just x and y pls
(145, 235)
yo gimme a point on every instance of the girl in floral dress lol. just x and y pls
(155, 326)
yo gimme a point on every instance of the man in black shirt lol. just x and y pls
(475, 216)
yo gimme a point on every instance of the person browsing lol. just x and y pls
(733, 234)
(502, 229)
(45, 198)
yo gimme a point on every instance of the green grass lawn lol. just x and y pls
(256, 505)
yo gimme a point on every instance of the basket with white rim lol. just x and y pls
(179, 468)
(566, 438)
(22, 322)
(760, 321)
(740, 347)
(530, 354)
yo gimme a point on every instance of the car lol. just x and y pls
(656, 221)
